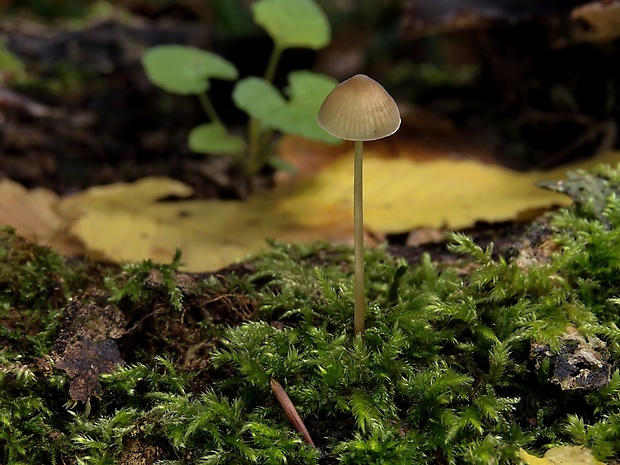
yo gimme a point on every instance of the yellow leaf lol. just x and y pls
(562, 455)
(126, 222)
(401, 194)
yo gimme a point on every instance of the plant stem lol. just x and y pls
(358, 237)
(255, 149)
(209, 108)
(270, 72)
(253, 164)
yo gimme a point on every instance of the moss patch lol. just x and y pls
(461, 362)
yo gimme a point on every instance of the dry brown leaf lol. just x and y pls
(33, 215)
(601, 20)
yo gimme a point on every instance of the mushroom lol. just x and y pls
(359, 109)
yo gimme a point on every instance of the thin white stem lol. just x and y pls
(358, 237)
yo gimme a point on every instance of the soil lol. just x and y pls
(105, 123)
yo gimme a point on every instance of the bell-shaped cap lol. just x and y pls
(359, 109)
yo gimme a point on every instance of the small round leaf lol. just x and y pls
(306, 92)
(293, 23)
(258, 98)
(213, 138)
(185, 70)
(262, 101)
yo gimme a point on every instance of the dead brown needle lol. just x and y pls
(290, 410)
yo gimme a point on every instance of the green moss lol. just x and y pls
(34, 288)
(460, 364)
(32, 416)
(141, 281)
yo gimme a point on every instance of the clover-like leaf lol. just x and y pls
(262, 101)
(293, 23)
(215, 139)
(185, 70)
(259, 99)
(306, 92)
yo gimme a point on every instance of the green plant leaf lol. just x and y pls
(262, 101)
(293, 23)
(306, 92)
(214, 138)
(280, 164)
(13, 69)
(185, 70)
(259, 99)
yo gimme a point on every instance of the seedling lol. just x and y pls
(359, 109)
(187, 71)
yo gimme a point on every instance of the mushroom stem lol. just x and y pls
(358, 237)
(359, 109)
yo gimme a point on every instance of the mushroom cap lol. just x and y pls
(359, 109)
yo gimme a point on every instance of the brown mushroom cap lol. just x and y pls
(359, 109)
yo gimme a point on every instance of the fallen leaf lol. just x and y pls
(562, 455)
(126, 222)
(596, 21)
(33, 215)
(29, 212)
(400, 194)
(422, 137)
